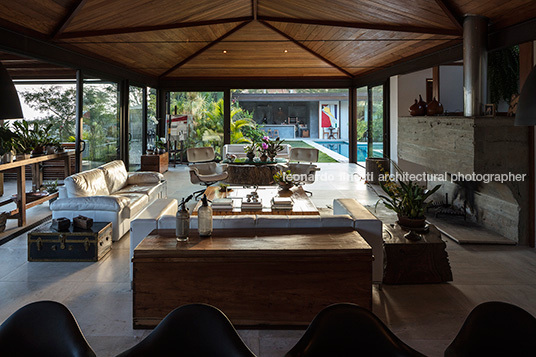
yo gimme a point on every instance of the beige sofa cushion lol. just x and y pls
(144, 177)
(87, 183)
(115, 174)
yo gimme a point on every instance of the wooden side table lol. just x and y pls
(414, 262)
(158, 162)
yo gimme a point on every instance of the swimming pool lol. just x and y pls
(342, 147)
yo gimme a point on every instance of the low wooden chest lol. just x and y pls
(75, 245)
(158, 163)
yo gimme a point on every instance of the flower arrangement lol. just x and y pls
(284, 179)
(271, 147)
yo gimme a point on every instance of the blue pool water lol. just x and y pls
(342, 147)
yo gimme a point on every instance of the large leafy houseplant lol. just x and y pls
(406, 198)
(6, 140)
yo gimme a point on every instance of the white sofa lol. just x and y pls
(109, 194)
(347, 213)
(238, 150)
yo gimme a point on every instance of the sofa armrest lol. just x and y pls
(62, 192)
(143, 177)
(101, 203)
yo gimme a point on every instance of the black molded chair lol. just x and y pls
(192, 330)
(495, 329)
(43, 328)
(342, 330)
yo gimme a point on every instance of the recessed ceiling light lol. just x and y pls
(286, 51)
(224, 51)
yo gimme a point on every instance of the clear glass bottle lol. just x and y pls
(182, 229)
(204, 217)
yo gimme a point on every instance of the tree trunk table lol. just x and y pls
(414, 262)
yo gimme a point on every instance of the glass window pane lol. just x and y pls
(151, 117)
(362, 123)
(135, 127)
(100, 124)
(377, 121)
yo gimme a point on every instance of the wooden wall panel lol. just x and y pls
(152, 52)
(403, 12)
(41, 16)
(500, 12)
(106, 14)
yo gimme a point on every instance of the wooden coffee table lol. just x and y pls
(302, 203)
(274, 277)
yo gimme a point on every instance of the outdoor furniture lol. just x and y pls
(192, 330)
(349, 330)
(203, 170)
(257, 276)
(109, 193)
(43, 328)
(495, 329)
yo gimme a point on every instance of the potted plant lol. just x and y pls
(271, 147)
(51, 187)
(250, 151)
(41, 136)
(160, 144)
(407, 199)
(6, 145)
(284, 179)
(25, 141)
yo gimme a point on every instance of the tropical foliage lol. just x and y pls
(407, 199)
(503, 74)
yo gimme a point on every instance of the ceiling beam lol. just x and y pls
(317, 55)
(365, 26)
(216, 41)
(178, 25)
(255, 8)
(452, 13)
(68, 18)
(513, 35)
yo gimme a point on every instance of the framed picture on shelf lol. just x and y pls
(489, 110)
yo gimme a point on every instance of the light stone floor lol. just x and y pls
(427, 317)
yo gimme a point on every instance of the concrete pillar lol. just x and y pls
(475, 64)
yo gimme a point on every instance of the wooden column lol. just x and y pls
(526, 63)
(79, 120)
(436, 83)
(227, 116)
(352, 124)
(21, 191)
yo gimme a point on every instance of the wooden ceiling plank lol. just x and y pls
(124, 30)
(452, 13)
(365, 25)
(255, 8)
(67, 20)
(197, 53)
(307, 49)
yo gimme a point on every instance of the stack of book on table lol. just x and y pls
(254, 205)
(281, 203)
(222, 204)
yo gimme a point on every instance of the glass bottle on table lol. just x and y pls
(204, 218)
(182, 229)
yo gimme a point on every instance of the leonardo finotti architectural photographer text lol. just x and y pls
(486, 178)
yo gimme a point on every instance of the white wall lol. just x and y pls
(451, 88)
(409, 87)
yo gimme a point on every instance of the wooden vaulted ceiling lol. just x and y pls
(172, 39)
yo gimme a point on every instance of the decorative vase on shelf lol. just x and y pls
(416, 109)
(423, 104)
(250, 155)
(434, 108)
(411, 223)
(272, 157)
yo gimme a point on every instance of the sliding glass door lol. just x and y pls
(371, 119)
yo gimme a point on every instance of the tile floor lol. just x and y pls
(427, 317)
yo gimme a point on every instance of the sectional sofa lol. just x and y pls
(109, 193)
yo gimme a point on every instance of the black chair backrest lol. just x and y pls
(43, 328)
(495, 329)
(342, 330)
(192, 330)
